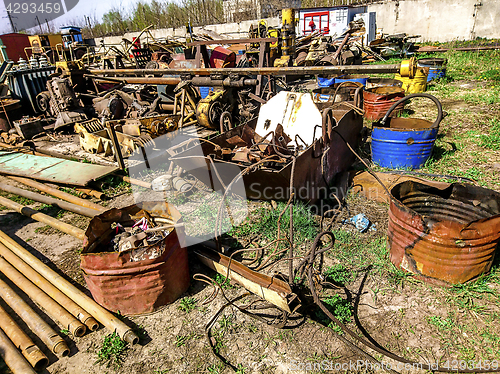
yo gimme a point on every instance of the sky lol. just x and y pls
(91, 8)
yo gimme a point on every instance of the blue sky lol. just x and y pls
(90, 8)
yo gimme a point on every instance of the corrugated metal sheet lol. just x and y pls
(444, 235)
(52, 169)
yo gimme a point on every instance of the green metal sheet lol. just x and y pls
(52, 169)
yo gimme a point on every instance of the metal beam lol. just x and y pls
(296, 70)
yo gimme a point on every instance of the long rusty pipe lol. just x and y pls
(111, 322)
(49, 288)
(296, 70)
(36, 215)
(58, 193)
(52, 308)
(14, 360)
(23, 342)
(49, 200)
(41, 328)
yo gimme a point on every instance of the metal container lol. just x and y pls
(437, 67)
(444, 235)
(416, 84)
(404, 142)
(135, 281)
(345, 91)
(381, 82)
(377, 100)
(10, 110)
(317, 166)
(26, 83)
(222, 58)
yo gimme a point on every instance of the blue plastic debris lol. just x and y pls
(361, 222)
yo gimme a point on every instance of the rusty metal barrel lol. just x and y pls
(137, 280)
(443, 235)
(378, 100)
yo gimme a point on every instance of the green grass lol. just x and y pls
(338, 274)
(492, 139)
(112, 352)
(339, 307)
(187, 304)
(264, 222)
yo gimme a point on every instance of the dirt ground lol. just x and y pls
(410, 318)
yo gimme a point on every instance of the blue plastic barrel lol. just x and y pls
(204, 91)
(399, 143)
(353, 78)
(402, 148)
(437, 67)
(326, 82)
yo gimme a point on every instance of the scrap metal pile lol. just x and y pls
(260, 112)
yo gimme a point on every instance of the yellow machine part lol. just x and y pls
(204, 108)
(55, 39)
(288, 16)
(408, 68)
(416, 84)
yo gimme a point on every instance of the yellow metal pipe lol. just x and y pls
(30, 351)
(53, 309)
(37, 216)
(58, 193)
(14, 360)
(41, 328)
(49, 288)
(111, 322)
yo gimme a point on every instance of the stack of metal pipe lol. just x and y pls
(65, 304)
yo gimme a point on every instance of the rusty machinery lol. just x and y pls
(61, 102)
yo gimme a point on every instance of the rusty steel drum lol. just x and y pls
(445, 235)
(133, 282)
(378, 100)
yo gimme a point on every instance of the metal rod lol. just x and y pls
(47, 335)
(295, 70)
(22, 341)
(14, 360)
(94, 193)
(116, 145)
(49, 200)
(139, 80)
(49, 288)
(40, 217)
(136, 182)
(183, 106)
(232, 41)
(53, 309)
(58, 193)
(111, 322)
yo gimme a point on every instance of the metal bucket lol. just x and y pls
(404, 142)
(141, 280)
(377, 100)
(437, 67)
(444, 235)
(345, 91)
(381, 82)
(416, 84)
